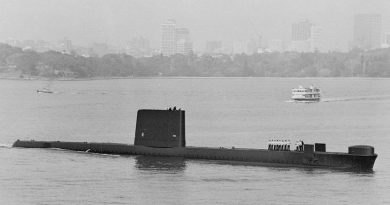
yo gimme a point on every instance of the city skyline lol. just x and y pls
(226, 21)
(305, 37)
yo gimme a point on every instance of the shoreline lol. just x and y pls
(166, 77)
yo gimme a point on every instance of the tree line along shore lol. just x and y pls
(52, 64)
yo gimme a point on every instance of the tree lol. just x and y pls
(25, 62)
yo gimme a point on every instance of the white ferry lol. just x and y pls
(306, 94)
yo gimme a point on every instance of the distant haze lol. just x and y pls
(117, 21)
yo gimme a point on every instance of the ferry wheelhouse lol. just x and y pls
(306, 94)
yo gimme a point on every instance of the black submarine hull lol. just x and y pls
(345, 161)
(162, 133)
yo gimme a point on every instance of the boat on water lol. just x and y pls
(306, 94)
(44, 90)
(162, 133)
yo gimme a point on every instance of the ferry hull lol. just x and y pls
(306, 99)
(261, 156)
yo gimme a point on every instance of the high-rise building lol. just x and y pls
(13, 42)
(367, 31)
(42, 46)
(213, 46)
(316, 38)
(301, 31)
(276, 45)
(175, 40)
(387, 38)
(168, 41)
(138, 47)
(183, 43)
(28, 44)
(66, 45)
(305, 37)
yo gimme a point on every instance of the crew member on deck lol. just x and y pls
(288, 145)
(281, 145)
(297, 143)
(269, 144)
(300, 145)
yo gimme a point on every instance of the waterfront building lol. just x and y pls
(301, 31)
(42, 46)
(213, 46)
(138, 47)
(13, 42)
(276, 45)
(66, 46)
(367, 31)
(183, 43)
(305, 37)
(386, 42)
(175, 40)
(168, 41)
(316, 38)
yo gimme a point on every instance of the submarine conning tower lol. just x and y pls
(160, 128)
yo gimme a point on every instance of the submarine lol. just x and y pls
(162, 133)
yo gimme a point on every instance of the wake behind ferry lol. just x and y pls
(306, 94)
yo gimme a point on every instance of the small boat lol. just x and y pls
(44, 90)
(306, 94)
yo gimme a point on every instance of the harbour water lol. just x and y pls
(220, 112)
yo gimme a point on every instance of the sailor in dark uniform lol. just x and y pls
(288, 145)
(269, 144)
(297, 143)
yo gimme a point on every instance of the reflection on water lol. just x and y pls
(274, 167)
(160, 163)
(179, 164)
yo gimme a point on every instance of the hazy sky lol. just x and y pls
(117, 21)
